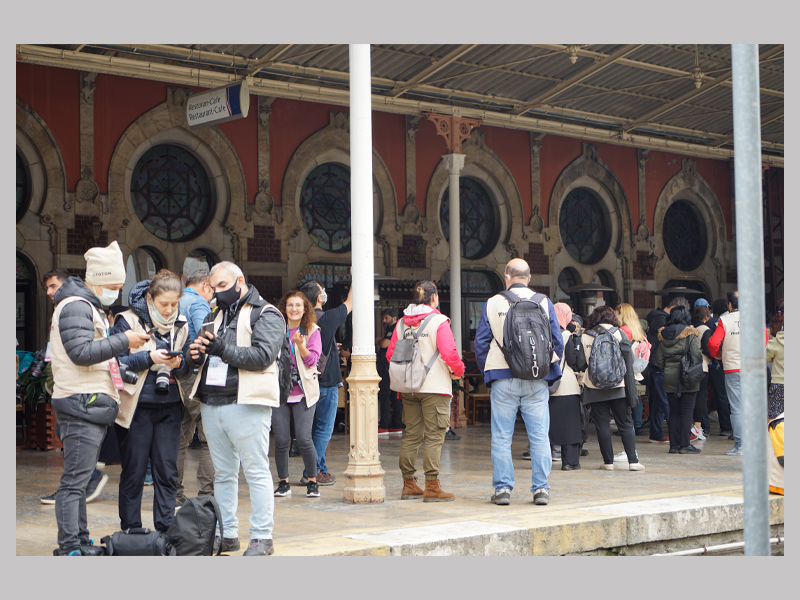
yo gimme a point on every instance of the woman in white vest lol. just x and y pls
(149, 421)
(565, 403)
(305, 345)
(426, 413)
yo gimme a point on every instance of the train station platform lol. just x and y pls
(679, 502)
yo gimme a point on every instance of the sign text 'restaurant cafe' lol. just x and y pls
(218, 105)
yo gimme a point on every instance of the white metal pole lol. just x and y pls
(750, 267)
(454, 163)
(361, 200)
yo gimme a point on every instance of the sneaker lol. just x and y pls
(502, 497)
(693, 437)
(395, 430)
(294, 449)
(541, 496)
(312, 490)
(661, 440)
(283, 489)
(623, 457)
(259, 548)
(712, 416)
(526, 455)
(51, 499)
(325, 478)
(556, 454)
(451, 436)
(735, 451)
(304, 480)
(636, 467)
(725, 432)
(382, 431)
(180, 500)
(698, 433)
(148, 480)
(674, 450)
(690, 450)
(96, 486)
(584, 452)
(706, 432)
(607, 467)
(228, 544)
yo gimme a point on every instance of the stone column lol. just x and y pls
(86, 190)
(454, 163)
(364, 475)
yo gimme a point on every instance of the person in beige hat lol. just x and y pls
(86, 383)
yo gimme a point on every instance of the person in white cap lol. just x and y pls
(86, 383)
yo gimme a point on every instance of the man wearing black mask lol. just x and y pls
(389, 403)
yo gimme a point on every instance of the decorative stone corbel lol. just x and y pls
(387, 250)
(340, 120)
(86, 190)
(264, 204)
(535, 225)
(48, 222)
(590, 151)
(264, 110)
(238, 256)
(642, 233)
(413, 127)
(512, 250)
(412, 216)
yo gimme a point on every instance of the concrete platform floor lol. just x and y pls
(327, 525)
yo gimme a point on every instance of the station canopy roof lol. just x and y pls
(659, 96)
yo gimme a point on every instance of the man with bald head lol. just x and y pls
(509, 393)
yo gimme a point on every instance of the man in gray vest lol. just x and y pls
(509, 394)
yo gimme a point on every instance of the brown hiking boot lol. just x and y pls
(410, 489)
(433, 493)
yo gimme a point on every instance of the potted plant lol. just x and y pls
(36, 398)
(457, 407)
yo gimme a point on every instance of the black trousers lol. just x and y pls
(390, 406)
(601, 415)
(571, 454)
(681, 409)
(701, 404)
(154, 434)
(717, 379)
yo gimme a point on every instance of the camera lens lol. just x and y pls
(127, 375)
(162, 383)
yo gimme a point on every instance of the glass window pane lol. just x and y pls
(325, 207)
(584, 226)
(684, 235)
(478, 219)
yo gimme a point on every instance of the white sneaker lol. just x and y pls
(698, 433)
(636, 467)
(606, 467)
(623, 457)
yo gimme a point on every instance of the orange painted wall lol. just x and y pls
(430, 149)
(514, 148)
(556, 153)
(53, 94)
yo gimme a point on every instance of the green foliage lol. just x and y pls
(33, 389)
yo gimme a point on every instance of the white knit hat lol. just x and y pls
(104, 266)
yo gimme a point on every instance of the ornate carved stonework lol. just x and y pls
(536, 223)
(178, 95)
(88, 86)
(453, 129)
(413, 127)
(86, 190)
(642, 233)
(590, 151)
(387, 250)
(689, 166)
(512, 250)
(47, 221)
(340, 120)
(238, 256)
(264, 204)
(264, 111)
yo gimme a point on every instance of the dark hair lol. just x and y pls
(392, 312)
(309, 316)
(733, 300)
(424, 291)
(679, 315)
(602, 315)
(62, 275)
(678, 301)
(311, 290)
(199, 276)
(699, 315)
(776, 323)
(164, 281)
(720, 306)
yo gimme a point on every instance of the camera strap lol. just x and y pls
(113, 368)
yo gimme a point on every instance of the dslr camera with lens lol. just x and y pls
(162, 382)
(39, 364)
(127, 375)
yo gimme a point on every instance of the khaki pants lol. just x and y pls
(426, 417)
(205, 470)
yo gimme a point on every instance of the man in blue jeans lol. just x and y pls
(331, 380)
(510, 394)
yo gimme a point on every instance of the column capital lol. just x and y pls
(453, 129)
(454, 163)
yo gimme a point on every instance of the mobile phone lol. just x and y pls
(209, 327)
(152, 331)
(174, 353)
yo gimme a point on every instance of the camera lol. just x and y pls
(39, 365)
(127, 375)
(295, 377)
(162, 383)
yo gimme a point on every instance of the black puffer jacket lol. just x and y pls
(268, 334)
(673, 344)
(656, 319)
(77, 327)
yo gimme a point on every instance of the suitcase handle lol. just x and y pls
(138, 530)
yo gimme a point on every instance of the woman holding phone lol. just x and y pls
(148, 425)
(305, 345)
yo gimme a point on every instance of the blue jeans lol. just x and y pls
(637, 416)
(323, 424)
(531, 397)
(240, 433)
(733, 386)
(659, 407)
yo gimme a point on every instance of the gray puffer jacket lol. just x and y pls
(77, 327)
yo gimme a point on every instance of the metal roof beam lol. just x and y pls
(268, 58)
(577, 78)
(773, 116)
(438, 65)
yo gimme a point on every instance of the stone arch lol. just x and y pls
(166, 124)
(332, 144)
(485, 165)
(589, 171)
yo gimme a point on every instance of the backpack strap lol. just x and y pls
(416, 338)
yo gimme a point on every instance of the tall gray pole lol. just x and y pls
(454, 164)
(750, 266)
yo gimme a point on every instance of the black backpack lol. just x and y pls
(527, 339)
(691, 371)
(137, 541)
(194, 527)
(606, 364)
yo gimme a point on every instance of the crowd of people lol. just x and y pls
(167, 364)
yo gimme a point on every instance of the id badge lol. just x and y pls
(217, 371)
(47, 353)
(113, 366)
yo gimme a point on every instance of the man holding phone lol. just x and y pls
(237, 387)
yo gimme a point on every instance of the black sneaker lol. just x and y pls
(451, 436)
(674, 450)
(502, 497)
(51, 499)
(294, 449)
(526, 455)
(312, 490)
(690, 450)
(95, 487)
(228, 544)
(259, 548)
(284, 489)
(584, 452)
(541, 496)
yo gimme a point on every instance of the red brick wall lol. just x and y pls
(263, 247)
(638, 271)
(538, 261)
(268, 286)
(643, 299)
(75, 242)
(731, 275)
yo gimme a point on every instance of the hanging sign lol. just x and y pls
(218, 105)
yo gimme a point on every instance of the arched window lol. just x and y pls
(143, 263)
(325, 207)
(584, 226)
(605, 278)
(567, 278)
(479, 219)
(684, 235)
(197, 259)
(23, 186)
(327, 275)
(171, 193)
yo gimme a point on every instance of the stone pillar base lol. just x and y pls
(461, 415)
(364, 475)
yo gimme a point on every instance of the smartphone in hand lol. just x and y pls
(174, 353)
(209, 327)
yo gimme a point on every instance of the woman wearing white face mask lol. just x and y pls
(149, 420)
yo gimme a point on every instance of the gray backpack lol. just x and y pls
(407, 372)
(606, 364)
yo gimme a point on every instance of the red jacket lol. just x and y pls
(444, 342)
(715, 343)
